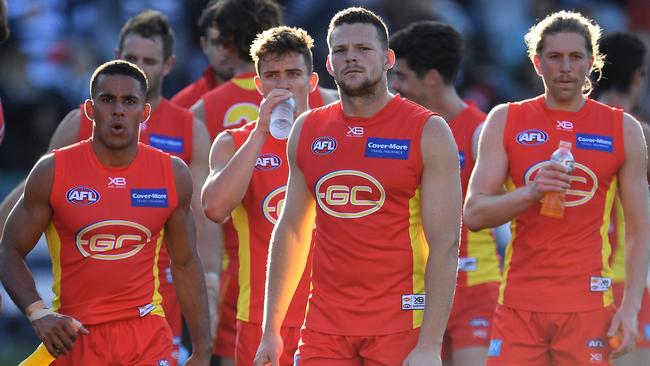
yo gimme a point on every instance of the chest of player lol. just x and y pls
(596, 146)
(360, 165)
(110, 214)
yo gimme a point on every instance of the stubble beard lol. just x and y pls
(366, 88)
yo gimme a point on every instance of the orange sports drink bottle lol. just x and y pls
(553, 203)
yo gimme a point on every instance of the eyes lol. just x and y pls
(362, 48)
(108, 99)
(572, 56)
(292, 74)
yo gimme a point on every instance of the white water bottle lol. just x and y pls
(282, 119)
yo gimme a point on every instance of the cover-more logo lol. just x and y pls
(274, 204)
(112, 239)
(584, 183)
(349, 194)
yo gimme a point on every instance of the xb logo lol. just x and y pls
(117, 181)
(274, 204)
(349, 194)
(355, 131)
(584, 183)
(112, 239)
(240, 114)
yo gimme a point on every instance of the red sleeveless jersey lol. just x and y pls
(193, 92)
(237, 102)
(369, 247)
(169, 129)
(232, 105)
(561, 265)
(106, 233)
(254, 220)
(478, 261)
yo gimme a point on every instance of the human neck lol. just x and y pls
(114, 158)
(154, 100)
(243, 67)
(446, 103)
(571, 105)
(367, 105)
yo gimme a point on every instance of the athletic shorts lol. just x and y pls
(249, 336)
(643, 337)
(172, 311)
(470, 321)
(525, 338)
(224, 342)
(135, 342)
(321, 349)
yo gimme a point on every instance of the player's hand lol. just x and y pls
(266, 107)
(623, 326)
(423, 356)
(552, 177)
(58, 333)
(269, 351)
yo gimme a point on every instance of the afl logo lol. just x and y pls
(349, 194)
(323, 145)
(267, 162)
(82, 196)
(532, 137)
(584, 183)
(274, 204)
(112, 239)
(240, 114)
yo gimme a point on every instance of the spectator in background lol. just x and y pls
(428, 58)
(621, 85)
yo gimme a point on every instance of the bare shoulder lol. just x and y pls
(183, 179)
(40, 179)
(67, 131)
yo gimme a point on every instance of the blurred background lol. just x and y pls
(55, 45)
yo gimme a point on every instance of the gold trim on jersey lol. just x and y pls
(606, 249)
(240, 221)
(157, 299)
(420, 250)
(54, 244)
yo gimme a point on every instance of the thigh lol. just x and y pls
(388, 350)
(320, 349)
(581, 338)
(247, 341)
(517, 339)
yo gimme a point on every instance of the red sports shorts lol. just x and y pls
(143, 341)
(320, 349)
(525, 338)
(470, 321)
(249, 336)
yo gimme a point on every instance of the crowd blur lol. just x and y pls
(55, 45)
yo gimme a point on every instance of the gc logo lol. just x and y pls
(349, 194)
(240, 114)
(112, 239)
(584, 183)
(274, 204)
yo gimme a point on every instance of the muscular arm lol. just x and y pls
(440, 205)
(290, 241)
(186, 266)
(487, 205)
(65, 134)
(634, 197)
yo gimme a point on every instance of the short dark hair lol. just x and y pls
(119, 67)
(356, 15)
(208, 17)
(239, 21)
(282, 40)
(148, 24)
(624, 55)
(430, 45)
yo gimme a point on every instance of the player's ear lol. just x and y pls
(169, 65)
(537, 64)
(390, 59)
(88, 109)
(258, 84)
(313, 82)
(328, 66)
(146, 113)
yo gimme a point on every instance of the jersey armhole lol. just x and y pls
(619, 135)
(168, 164)
(511, 117)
